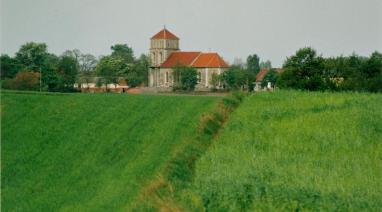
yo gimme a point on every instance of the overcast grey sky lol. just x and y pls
(273, 29)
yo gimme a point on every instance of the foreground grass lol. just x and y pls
(295, 151)
(89, 152)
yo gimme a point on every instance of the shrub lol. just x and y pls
(24, 80)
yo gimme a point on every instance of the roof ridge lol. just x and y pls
(192, 63)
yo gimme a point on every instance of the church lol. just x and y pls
(165, 55)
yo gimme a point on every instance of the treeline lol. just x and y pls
(34, 68)
(308, 71)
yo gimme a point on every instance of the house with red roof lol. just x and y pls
(165, 55)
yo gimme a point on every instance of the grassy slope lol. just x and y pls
(93, 152)
(294, 150)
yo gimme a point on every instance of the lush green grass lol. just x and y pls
(295, 151)
(89, 152)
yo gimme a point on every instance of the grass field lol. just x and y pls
(293, 151)
(279, 151)
(81, 152)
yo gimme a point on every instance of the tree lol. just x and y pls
(75, 53)
(87, 63)
(253, 63)
(32, 55)
(9, 66)
(141, 67)
(49, 76)
(110, 69)
(187, 78)
(372, 73)
(124, 52)
(68, 69)
(24, 80)
(305, 70)
(265, 65)
(271, 76)
(238, 78)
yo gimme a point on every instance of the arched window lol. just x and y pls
(199, 77)
(160, 58)
(166, 77)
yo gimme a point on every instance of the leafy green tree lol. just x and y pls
(51, 80)
(238, 78)
(32, 55)
(9, 66)
(110, 69)
(304, 70)
(124, 52)
(141, 67)
(186, 77)
(68, 69)
(253, 63)
(271, 76)
(372, 73)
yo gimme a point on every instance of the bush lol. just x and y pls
(24, 80)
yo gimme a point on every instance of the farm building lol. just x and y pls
(262, 82)
(165, 55)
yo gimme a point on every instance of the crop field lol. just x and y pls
(289, 151)
(278, 151)
(80, 152)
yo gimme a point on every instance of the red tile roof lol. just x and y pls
(165, 34)
(180, 58)
(195, 59)
(206, 60)
(260, 76)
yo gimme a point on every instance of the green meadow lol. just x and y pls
(278, 151)
(293, 151)
(81, 152)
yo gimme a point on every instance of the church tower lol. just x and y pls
(162, 45)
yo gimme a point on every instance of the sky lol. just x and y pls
(272, 29)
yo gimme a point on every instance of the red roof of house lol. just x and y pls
(260, 76)
(195, 59)
(165, 34)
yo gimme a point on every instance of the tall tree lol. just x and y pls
(110, 69)
(68, 70)
(32, 55)
(87, 63)
(253, 63)
(304, 70)
(123, 51)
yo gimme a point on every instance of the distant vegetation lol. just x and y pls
(77, 152)
(306, 70)
(60, 73)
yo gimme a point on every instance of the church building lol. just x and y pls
(165, 55)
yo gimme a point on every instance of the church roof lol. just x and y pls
(195, 59)
(164, 34)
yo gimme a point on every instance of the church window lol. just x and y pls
(166, 77)
(199, 77)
